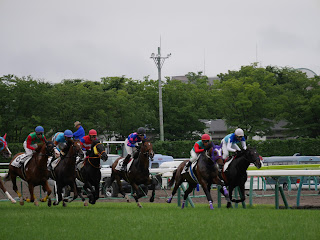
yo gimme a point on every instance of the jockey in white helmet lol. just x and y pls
(229, 142)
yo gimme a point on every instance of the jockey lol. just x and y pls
(60, 141)
(80, 131)
(87, 140)
(198, 148)
(229, 142)
(30, 143)
(131, 144)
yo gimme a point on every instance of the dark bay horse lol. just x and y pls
(35, 173)
(236, 173)
(205, 172)
(137, 174)
(5, 152)
(64, 173)
(90, 173)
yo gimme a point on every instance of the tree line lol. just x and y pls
(253, 98)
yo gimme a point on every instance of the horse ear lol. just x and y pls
(4, 137)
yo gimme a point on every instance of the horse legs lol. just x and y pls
(15, 188)
(118, 179)
(223, 190)
(47, 189)
(176, 186)
(154, 182)
(187, 192)
(32, 196)
(206, 189)
(136, 194)
(242, 194)
(74, 189)
(90, 192)
(59, 194)
(230, 196)
(81, 196)
(2, 187)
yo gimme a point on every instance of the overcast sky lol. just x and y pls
(64, 39)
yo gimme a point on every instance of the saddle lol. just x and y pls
(120, 163)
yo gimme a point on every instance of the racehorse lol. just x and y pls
(64, 173)
(90, 173)
(5, 152)
(236, 173)
(137, 174)
(205, 173)
(35, 173)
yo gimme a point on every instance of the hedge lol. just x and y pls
(181, 149)
(273, 147)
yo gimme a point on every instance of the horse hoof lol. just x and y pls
(139, 205)
(169, 200)
(13, 201)
(229, 205)
(49, 202)
(152, 199)
(22, 203)
(64, 204)
(85, 204)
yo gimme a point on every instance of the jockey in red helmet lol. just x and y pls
(87, 140)
(198, 148)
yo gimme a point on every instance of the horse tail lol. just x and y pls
(6, 178)
(171, 182)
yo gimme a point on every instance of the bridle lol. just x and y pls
(96, 152)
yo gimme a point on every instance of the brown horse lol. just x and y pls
(64, 173)
(205, 173)
(35, 173)
(137, 174)
(5, 152)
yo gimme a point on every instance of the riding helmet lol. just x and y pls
(39, 129)
(141, 131)
(68, 133)
(205, 137)
(93, 132)
(239, 132)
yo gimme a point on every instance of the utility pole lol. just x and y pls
(158, 60)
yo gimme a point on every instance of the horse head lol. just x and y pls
(5, 152)
(216, 154)
(49, 148)
(99, 150)
(253, 156)
(78, 149)
(146, 149)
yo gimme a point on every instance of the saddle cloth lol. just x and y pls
(54, 163)
(226, 164)
(120, 163)
(190, 171)
(17, 161)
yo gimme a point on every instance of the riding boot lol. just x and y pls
(125, 163)
(187, 166)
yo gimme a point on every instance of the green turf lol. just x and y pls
(107, 220)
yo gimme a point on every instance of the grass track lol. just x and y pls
(107, 220)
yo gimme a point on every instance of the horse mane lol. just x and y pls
(95, 142)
